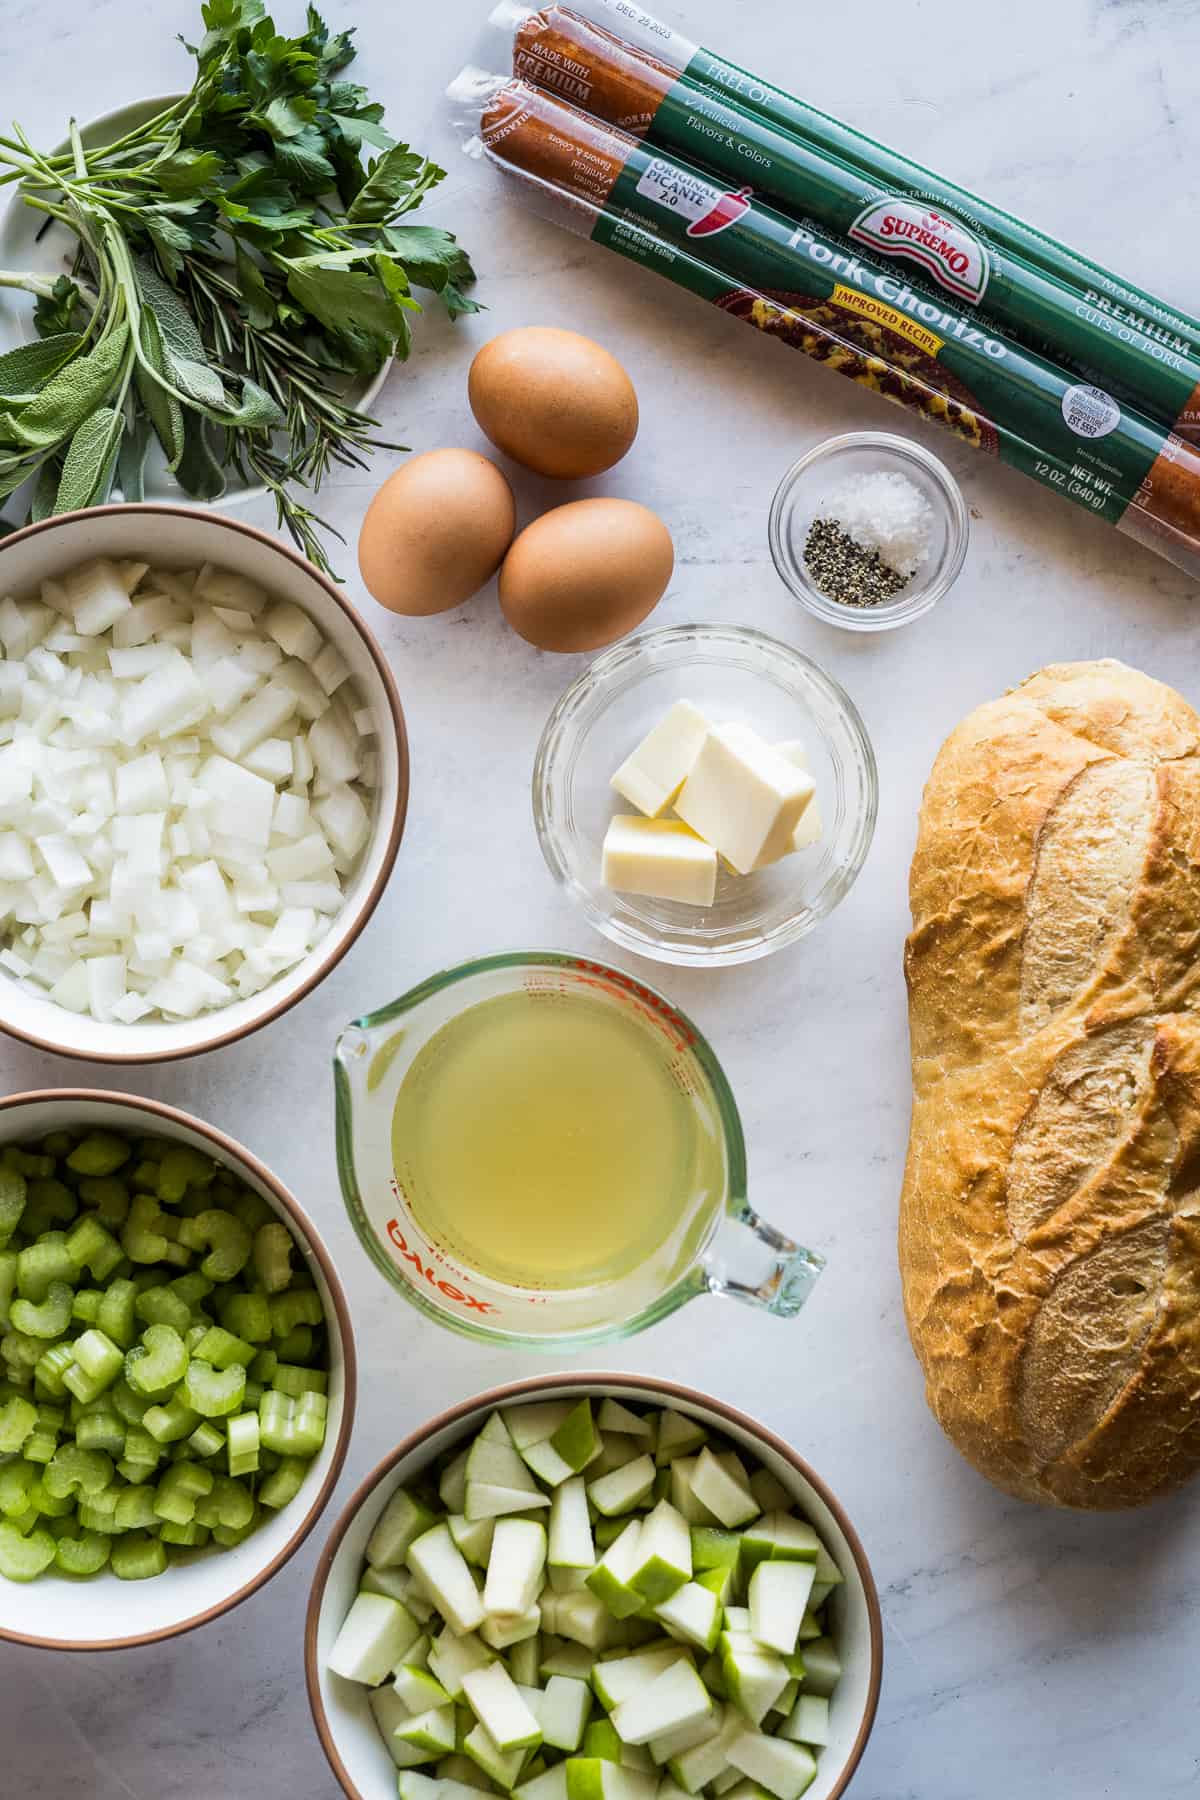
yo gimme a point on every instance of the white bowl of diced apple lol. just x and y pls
(203, 781)
(593, 1588)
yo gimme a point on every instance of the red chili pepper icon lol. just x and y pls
(727, 211)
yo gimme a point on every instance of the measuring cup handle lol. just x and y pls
(749, 1260)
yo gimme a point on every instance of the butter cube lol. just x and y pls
(808, 831)
(653, 774)
(659, 857)
(743, 797)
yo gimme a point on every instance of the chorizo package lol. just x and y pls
(563, 52)
(839, 306)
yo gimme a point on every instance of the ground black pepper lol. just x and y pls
(846, 570)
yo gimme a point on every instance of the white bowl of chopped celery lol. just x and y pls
(593, 1588)
(177, 1372)
(203, 781)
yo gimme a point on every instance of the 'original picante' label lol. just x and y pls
(707, 208)
(941, 246)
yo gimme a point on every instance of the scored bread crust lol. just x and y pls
(1050, 1217)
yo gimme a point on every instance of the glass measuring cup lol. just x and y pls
(719, 1245)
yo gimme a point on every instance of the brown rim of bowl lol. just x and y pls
(324, 968)
(229, 1148)
(535, 1384)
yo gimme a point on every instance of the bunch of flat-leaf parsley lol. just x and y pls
(241, 257)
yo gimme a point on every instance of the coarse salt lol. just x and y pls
(886, 512)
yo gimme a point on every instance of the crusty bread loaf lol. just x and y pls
(1050, 1221)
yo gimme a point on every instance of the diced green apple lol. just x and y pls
(534, 1423)
(562, 1709)
(550, 1786)
(694, 1612)
(493, 1464)
(784, 1769)
(524, 1660)
(501, 1766)
(584, 1618)
(618, 1678)
(473, 1537)
(754, 1678)
(715, 1548)
(414, 1786)
(494, 1431)
(547, 1464)
(431, 1732)
(615, 1417)
(562, 1658)
(686, 1737)
(610, 1580)
(460, 1769)
(614, 1453)
(716, 1488)
(452, 1488)
(678, 1436)
(682, 1497)
(402, 1519)
(399, 1584)
(787, 1699)
(623, 1489)
(374, 1636)
(575, 1439)
(390, 1713)
(670, 1790)
(419, 1690)
(696, 1768)
(601, 1739)
(439, 1563)
(664, 1555)
(514, 1570)
(594, 1778)
(487, 1501)
(771, 1494)
(822, 1667)
(676, 1698)
(454, 1656)
(492, 1696)
(808, 1721)
(507, 1630)
(571, 1544)
(779, 1594)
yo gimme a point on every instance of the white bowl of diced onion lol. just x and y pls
(203, 781)
(342, 1711)
(104, 1613)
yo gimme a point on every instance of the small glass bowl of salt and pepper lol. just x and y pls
(868, 531)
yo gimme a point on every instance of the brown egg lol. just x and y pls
(436, 531)
(554, 401)
(586, 573)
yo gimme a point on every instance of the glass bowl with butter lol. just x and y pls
(745, 798)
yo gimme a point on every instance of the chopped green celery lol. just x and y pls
(135, 1508)
(98, 1362)
(106, 1198)
(45, 1318)
(193, 1336)
(273, 1256)
(144, 1174)
(283, 1486)
(254, 1393)
(142, 1455)
(101, 1431)
(82, 1555)
(207, 1440)
(48, 1203)
(180, 1168)
(243, 1444)
(158, 1363)
(72, 1470)
(177, 1493)
(86, 1305)
(17, 1419)
(170, 1420)
(264, 1366)
(53, 1506)
(188, 1537)
(23, 1351)
(142, 1237)
(16, 1479)
(13, 1189)
(247, 1316)
(225, 1238)
(92, 1248)
(214, 1393)
(136, 1557)
(250, 1208)
(228, 1504)
(159, 1306)
(99, 1513)
(288, 1379)
(42, 1441)
(229, 1536)
(130, 1406)
(43, 1265)
(8, 1279)
(100, 1153)
(292, 1427)
(222, 1349)
(118, 1313)
(299, 1346)
(24, 1558)
(299, 1306)
(192, 1288)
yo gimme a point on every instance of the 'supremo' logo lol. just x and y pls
(954, 256)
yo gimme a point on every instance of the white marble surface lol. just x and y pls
(1027, 1654)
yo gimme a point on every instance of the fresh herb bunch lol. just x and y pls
(236, 261)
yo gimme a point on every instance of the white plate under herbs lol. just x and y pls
(52, 253)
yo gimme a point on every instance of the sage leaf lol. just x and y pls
(23, 370)
(11, 479)
(257, 409)
(46, 489)
(68, 397)
(162, 408)
(175, 322)
(196, 381)
(88, 469)
(131, 460)
(199, 472)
